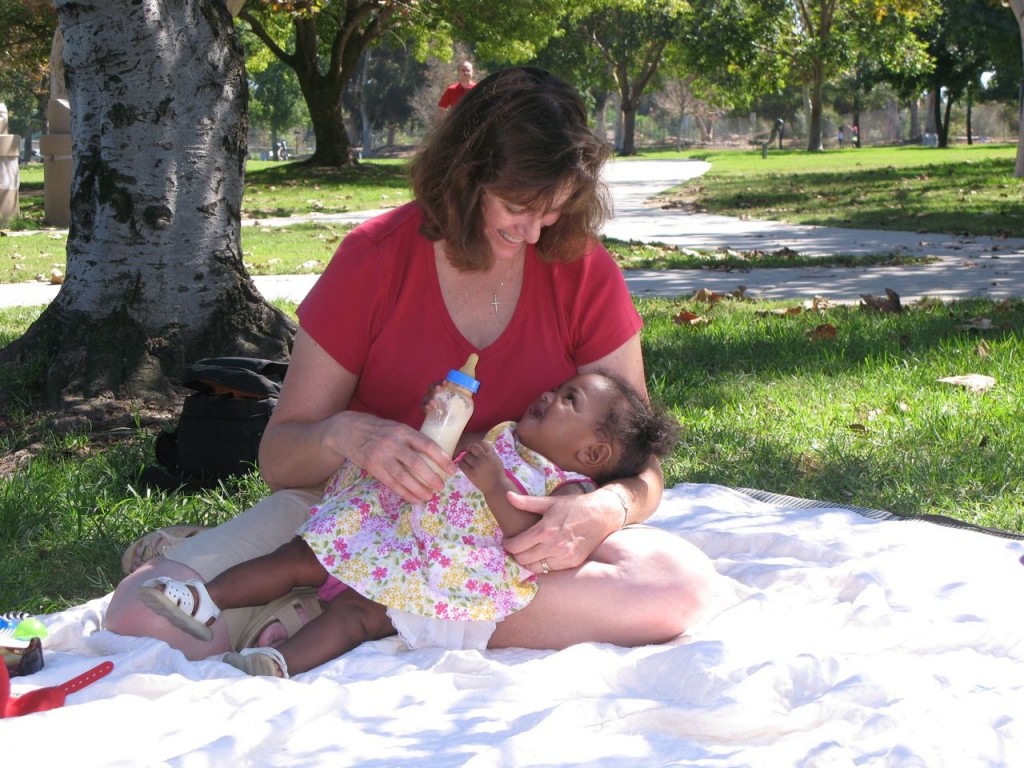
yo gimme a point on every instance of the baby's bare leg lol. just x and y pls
(348, 621)
(262, 579)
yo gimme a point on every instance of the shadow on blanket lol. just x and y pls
(794, 502)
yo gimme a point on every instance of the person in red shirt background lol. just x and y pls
(454, 92)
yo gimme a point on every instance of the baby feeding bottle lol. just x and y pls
(449, 409)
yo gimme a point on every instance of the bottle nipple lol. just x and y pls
(469, 367)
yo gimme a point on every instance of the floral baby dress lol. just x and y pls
(442, 560)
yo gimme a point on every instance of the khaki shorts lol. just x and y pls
(256, 531)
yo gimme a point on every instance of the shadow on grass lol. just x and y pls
(856, 420)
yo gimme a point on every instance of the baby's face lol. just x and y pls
(563, 420)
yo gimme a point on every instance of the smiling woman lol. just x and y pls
(414, 292)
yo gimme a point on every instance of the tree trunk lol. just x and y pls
(932, 112)
(915, 121)
(628, 128)
(364, 113)
(1018, 168)
(941, 125)
(1017, 6)
(154, 270)
(944, 133)
(814, 129)
(600, 109)
(970, 109)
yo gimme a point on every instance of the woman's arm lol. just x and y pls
(639, 496)
(572, 527)
(311, 433)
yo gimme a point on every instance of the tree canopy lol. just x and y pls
(323, 42)
(27, 33)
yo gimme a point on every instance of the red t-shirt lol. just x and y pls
(452, 94)
(378, 310)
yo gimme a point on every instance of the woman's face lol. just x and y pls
(509, 227)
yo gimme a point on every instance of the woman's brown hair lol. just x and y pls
(520, 134)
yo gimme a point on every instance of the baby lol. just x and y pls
(436, 573)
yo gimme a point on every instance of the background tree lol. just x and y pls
(802, 42)
(1017, 7)
(383, 95)
(328, 38)
(960, 45)
(631, 36)
(27, 33)
(155, 277)
(275, 101)
(829, 35)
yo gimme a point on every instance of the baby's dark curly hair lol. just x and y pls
(637, 429)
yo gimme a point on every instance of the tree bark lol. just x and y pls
(154, 270)
(816, 90)
(941, 116)
(1017, 6)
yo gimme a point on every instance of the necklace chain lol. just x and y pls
(494, 302)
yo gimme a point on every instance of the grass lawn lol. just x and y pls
(835, 403)
(767, 401)
(960, 190)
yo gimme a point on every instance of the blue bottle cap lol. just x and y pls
(460, 378)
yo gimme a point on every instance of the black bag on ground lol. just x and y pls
(218, 433)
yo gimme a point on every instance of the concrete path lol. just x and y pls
(965, 267)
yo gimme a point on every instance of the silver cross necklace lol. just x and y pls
(494, 302)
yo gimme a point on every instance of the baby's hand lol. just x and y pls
(482, 466)
(429, 402)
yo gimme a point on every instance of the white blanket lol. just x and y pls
(836, 641)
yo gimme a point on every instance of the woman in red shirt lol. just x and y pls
(498, 255)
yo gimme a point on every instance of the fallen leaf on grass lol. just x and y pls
(974, 382)
(824, 332)
(888, 303)
(690, 318)
(711, 297)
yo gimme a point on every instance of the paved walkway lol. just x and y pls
(965, 267)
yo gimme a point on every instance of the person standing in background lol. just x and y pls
(454, 92)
